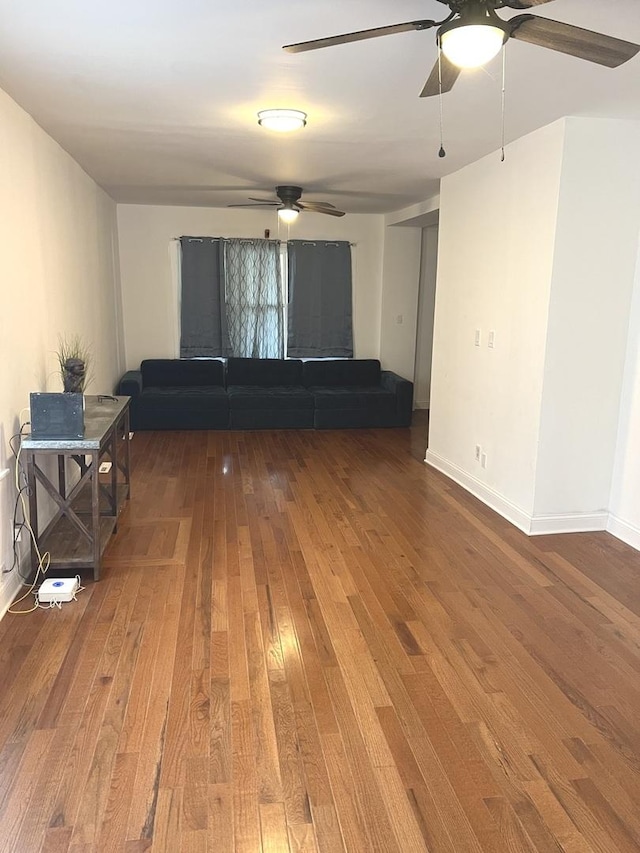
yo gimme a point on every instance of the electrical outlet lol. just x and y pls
(477, 338)
(483, 460)
(478, 452)
(17, 532)
(105, 467)
(130, 436)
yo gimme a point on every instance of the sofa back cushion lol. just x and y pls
(181, 372)
(328, 373)
(264, 371)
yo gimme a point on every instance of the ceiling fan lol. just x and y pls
(473, 33)
(289, 205)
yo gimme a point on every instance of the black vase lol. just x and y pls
(74, 375)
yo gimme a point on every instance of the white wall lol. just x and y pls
(496, 241)
(400, 284)
(150, 296)
(624, 504)
(58, 250)
(594, 261)
(543, 250)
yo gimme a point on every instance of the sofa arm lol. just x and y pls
(131, 384)
(403, 389)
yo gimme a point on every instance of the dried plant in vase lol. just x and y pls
(74, 359)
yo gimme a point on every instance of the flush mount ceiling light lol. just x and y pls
(283, 121)
(288, 213)
(471, 45)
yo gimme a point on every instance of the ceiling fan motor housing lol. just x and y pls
(289, 194)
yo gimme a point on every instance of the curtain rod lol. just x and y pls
(251, 239)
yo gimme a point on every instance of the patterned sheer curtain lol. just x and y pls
(254, 301)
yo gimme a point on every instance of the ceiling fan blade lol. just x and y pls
(259, 204)
(330, 211)
(264, 200)
(521, 4)
(317, 205)
(574, 41)
(450, 74)
(359, 35)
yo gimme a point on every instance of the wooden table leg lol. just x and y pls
(127, 453)
(114, 477)
(33, 509)
(62, 476)
(95, 511)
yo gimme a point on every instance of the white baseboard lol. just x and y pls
(577, 522)
(11, 584)
(532, 525)
(624, 530)
(486, 494)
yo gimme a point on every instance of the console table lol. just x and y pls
(87, 511)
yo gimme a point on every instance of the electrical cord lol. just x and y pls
(44, 560)
(18, 527)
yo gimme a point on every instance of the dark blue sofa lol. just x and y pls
(168, 393)
(268, 393)
(247, 393)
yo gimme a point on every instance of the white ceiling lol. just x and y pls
(157, 99)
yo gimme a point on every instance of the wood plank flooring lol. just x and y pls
(310, 642)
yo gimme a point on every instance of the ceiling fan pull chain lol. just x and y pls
(441, 152)
(504, 71)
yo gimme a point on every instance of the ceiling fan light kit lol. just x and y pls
(282, 120)
(471, 45)
(473, 27)
(288, 204)
(288, 214)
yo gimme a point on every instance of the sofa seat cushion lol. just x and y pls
(206, 396)
(276, 397)
(354, 397)
(264, 372)
(188, 392)
(193, 407)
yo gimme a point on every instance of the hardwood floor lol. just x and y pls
(310, 642)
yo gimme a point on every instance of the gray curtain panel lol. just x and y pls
(255, 305)
(320, 321)
(203, 318)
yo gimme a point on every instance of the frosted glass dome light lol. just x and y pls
(471, 45)
(288, 214)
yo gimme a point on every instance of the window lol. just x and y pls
(253, 293)
(233, 301)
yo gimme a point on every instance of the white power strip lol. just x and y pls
(58, 590)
